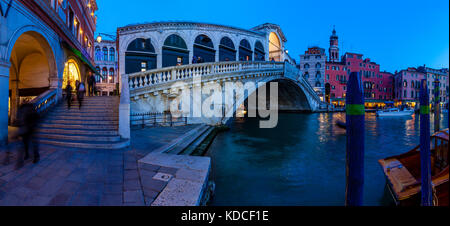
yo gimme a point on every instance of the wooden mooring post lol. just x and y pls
(355, 113)
(425, 158)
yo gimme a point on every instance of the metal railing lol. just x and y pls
(156, 119)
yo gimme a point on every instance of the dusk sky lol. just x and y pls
(394, 34)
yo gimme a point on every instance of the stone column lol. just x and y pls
(124, 109)
(4, 95)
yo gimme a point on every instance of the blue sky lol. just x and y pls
(395, 34)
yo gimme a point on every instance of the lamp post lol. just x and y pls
(100, 38)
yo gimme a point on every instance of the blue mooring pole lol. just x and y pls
(425, 157)
(355, 141)
(437, 107)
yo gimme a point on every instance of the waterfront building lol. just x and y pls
(43, 45)
(377, 85)
(442, 76)
(407, 87)
(312, 68)
(106, 64)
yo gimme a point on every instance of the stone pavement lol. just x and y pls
(80, 177)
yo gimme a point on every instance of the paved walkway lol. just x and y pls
(78, 177)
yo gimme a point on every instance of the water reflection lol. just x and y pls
(302, 160)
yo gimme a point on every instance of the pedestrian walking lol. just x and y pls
(91, 85)
(69, 94)
(28, 119)
(81, 90)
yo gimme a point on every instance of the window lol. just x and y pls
(105, 54)
(318, 75)
(112, 54)
(318, 65)
(318, 57)
(98, 54)
(104, 74)
(111, 75)
(143, 66)
(306, 66)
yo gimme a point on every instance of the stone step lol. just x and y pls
(73, 126)
(188, 140)
(84, 111)
(79, 131)
(74, 137)
(191, 148)
(83, 117)
(86, 145)
(81, 122)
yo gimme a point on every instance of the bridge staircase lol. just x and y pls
(94, 126)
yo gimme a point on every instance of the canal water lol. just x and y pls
(301, 162)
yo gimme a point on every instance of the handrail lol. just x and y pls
(43, 102)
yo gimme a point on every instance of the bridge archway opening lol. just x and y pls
(275, 50)
(140, 56)
(204, 49)
(174, 51)
(260, 54)
(245, 51)
(291, 98)
(32, 66)
(227, 51)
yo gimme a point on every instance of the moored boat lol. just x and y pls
(403, 177)
(395, 112)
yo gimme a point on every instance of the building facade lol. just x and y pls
(312, 67)
(407, 87)
(378, 86)
(43, 46)
(106, 64)
(442, 76)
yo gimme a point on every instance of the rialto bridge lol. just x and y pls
(163, 62)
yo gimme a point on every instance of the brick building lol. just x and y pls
(312, 67)
(407, 87)
(107, 80)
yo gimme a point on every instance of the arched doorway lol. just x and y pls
(140, 56)
(32, 67)
(259, 51)
(204, 49)
(227, 51)
(174, 51)
(245, 51)
(274, 47)
(71, 73)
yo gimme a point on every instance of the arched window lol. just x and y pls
(259, 51)
(306, 75)
(318, 84)
(140, 52)
(112, 54)
(175, 51)
(227, 51)
(104, 75)
(111, 75)
(306, 66)
(245, 51)
(318, 75)
(318, 65)
(98, 54)
(203, 50)
(105, 54)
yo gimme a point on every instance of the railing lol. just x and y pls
(178, 73)
(156, 119)
(45, 101)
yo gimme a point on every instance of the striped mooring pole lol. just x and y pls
(355, 113)
(437, 107)
(425, 156)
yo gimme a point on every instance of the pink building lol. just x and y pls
(407, 86)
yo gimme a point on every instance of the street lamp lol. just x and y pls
(100, 38)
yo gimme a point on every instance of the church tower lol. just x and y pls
(334, 47)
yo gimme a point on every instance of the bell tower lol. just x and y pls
(334, 47)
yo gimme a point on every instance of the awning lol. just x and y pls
(82, 58)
